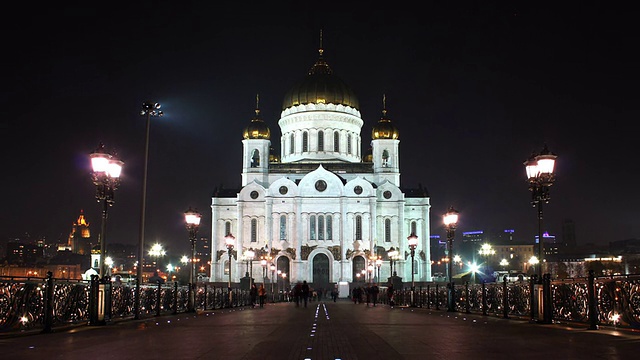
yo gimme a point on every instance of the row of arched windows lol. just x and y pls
(320, 139)
(320, 228)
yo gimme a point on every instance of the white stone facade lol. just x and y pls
(321, 213)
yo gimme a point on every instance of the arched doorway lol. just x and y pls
(358, 267)
(321, 274)
(283, 272)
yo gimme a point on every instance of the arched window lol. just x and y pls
(227, 228)
(305, 142)
(413, 227)
(358, 227)
(387, 230)
(292, 144)
(320, 227)
(283, 227)
(329, 228)
(254, 230)
(255, 158)
(349, 144)
(415, 266)
(312, 227)
(336, 141)
(320, 140)
(385, 158)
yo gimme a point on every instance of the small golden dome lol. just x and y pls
(384, 129)
(257, 129)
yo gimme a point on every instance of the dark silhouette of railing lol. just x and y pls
(42, 304)
(610, 301)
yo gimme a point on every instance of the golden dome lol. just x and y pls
(384, 129)
(257, 129)
(320, 86)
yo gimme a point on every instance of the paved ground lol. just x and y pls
(325, 330)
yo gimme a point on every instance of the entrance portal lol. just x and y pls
(321, 273)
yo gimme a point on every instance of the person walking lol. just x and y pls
(262, 294)
(390, 295)
(374, 294)
(305, 292)
(253, 294)
(297, 293)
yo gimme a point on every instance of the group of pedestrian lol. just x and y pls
(257, 293)
(301, 293)
(369, 292)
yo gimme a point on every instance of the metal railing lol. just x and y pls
(41, 304)
(608, 301)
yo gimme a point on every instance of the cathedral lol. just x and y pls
(321, 211)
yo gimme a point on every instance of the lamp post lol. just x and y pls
(263, 263)
(540, 177)
(392, 256)
(106, 177)
(149, 109)
(486, 251)
(370, 270)
(279, 276)
(230, 241)
(192, 218)
(413, 243)
(450, 219)
(249, 255)
(272, 267)
(378, 264)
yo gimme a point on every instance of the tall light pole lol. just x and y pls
(486, 251)
(149, 109)
(378, 265)
(273, 269)
(230, 242)
(540, 177)
(263, 263)
(392, 257)
(192, 218)
(249, 255)
(450, 219)
(413, 243)
(106, 177)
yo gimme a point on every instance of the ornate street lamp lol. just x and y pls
(370, 270)
(263, 263)
(149, 109)
(272, 267)
(540, 177)
(106, 177)
(413, 243)
(486, 251)
(192, 218)
(450, 219)
(249, 255)
(392, 257)
(230, 242)
(378, 265)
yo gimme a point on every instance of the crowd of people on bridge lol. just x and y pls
(367, 293)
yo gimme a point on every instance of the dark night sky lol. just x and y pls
(474, 88)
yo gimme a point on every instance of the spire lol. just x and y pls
(320, 50)
(384, 105)
(257, 105)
